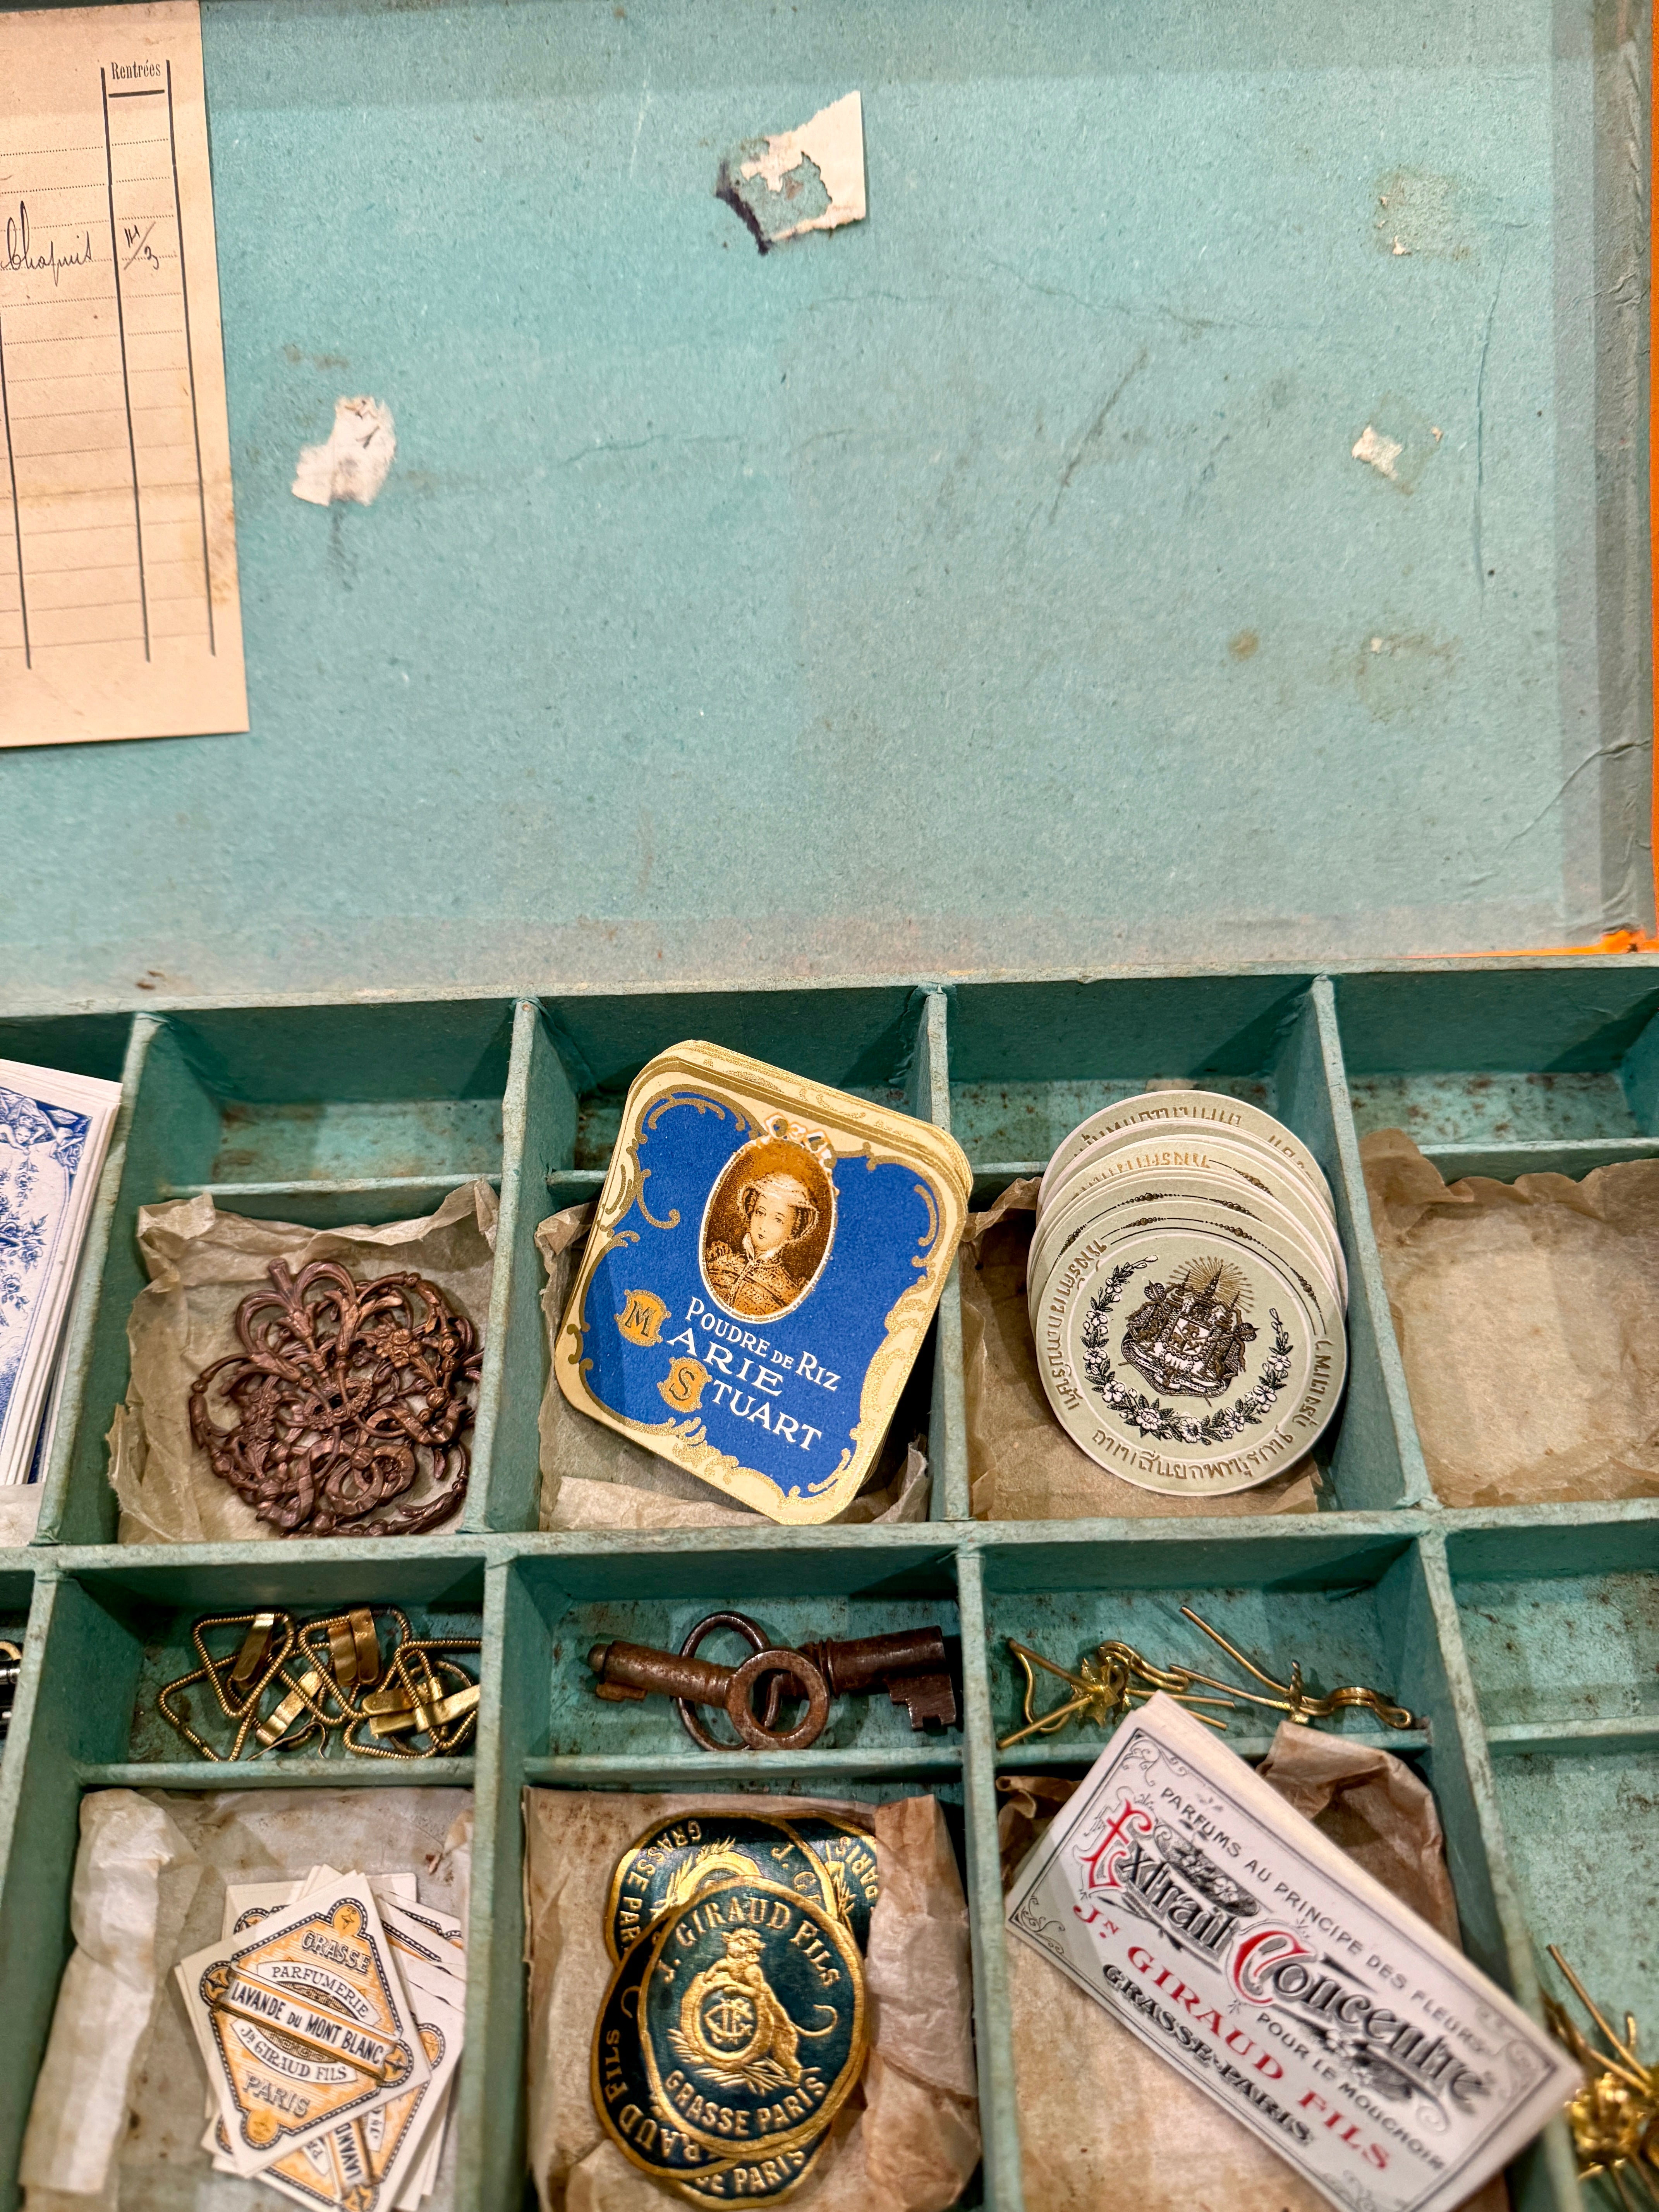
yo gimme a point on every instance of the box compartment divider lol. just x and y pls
(998, 2091)
(1379, 1405)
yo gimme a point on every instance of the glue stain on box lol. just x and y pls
(765, 1260)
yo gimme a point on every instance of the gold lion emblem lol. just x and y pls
(732, 2030)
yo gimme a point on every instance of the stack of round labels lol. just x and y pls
(1187, 1289)
(735, 2026)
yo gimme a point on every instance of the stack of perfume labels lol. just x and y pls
(330, 2016)
(735, 2026)
(1188, 1292)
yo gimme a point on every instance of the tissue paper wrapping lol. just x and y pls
(1526, 1316)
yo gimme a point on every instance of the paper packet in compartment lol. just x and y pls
(302, 2022)
(54, 1132)
(1224, 1930)
(390, 2156)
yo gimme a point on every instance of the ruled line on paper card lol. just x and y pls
(120, 616)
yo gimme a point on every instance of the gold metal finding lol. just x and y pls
(330, 1688)
(1614, 2117)
(1117, 1677)
(1291, 1698)
(1104, 1688)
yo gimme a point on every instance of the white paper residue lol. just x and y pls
(354, 462)
(810, 178)
(1382, 453)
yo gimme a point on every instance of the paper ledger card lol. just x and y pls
(1230, 1936)
(120, 616)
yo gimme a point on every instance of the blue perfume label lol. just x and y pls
(748, 1287)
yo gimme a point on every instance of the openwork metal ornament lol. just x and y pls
(345, 1394)
(1105, 1688)
(283, 1687)
(1614, 2117)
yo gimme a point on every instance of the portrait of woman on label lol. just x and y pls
(766, 1232)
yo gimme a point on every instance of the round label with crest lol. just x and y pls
(752, 2017)
(1220, 1189)
(1189, 1357)
(650, 2135)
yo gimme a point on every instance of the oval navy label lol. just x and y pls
(675, 1859)
(848, 1856)
(642, 2130)
(752, 2015)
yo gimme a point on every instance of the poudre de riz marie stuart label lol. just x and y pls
(1221, 1928)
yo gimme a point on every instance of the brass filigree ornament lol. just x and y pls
(280, 1686)
(345, 1394)
(1106, 1687)
(1614, 2117)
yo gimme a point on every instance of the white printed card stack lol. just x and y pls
(1192, 1902)
(330, 2016)
(54, 1132)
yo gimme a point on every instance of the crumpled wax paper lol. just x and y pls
(1107, 2123)
(202, 1265)
(116, 2125)
(907, 2141)
(19, 1508)
(1021, 1466)
(592, 1478)
(1527, 1318)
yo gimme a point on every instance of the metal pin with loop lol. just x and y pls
(1105, 1688)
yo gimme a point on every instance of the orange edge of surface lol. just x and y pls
(1622, 940)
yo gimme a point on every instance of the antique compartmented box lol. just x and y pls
(1159, 600)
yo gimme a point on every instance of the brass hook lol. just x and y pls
(1614, 2117)
(1104, 1687)
(1290, 1697)
(1117, 1677)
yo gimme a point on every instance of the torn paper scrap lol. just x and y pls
(354, 462)
(810, 179)
(1382, 453)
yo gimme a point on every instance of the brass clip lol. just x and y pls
(282, 1707)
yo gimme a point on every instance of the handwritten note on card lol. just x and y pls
(120, 616)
